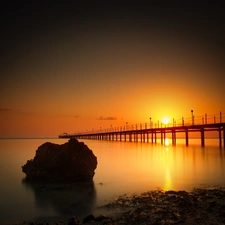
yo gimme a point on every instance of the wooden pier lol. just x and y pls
(152, 134)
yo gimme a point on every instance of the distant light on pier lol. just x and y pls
(199, 124)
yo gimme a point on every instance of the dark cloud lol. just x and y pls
(107, 118)
(25, 113)
(15, 111)
(5, 110)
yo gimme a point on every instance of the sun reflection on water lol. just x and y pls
(167, 142)
(168, 181)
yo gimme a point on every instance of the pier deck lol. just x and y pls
(151, 134)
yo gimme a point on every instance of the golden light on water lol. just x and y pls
(167, 142)
(168, 180)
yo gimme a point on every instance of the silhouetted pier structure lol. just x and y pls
(151, 132)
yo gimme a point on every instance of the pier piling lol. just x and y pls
(149, 134)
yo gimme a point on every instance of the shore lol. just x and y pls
(200, 206)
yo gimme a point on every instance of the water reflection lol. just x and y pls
(65, 198)
(168, 180)
(123, 168)
(167, 142)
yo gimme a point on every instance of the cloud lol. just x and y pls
(15, 111)
(107, 118)
(26, 113)
(5, 110)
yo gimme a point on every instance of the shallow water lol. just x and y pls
(123, 168)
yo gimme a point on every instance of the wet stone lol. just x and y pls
(101, 218)
(74, 220)
(89, 218)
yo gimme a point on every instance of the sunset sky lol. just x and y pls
(68, 68)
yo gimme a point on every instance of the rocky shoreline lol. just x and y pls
(199, 206)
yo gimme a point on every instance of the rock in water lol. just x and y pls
(71, 161)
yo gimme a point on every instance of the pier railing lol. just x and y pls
(183, 121)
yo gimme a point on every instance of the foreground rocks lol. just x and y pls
(201, 206)
(71, 161)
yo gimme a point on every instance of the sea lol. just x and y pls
(124, 168)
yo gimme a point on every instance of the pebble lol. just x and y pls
(200, 206)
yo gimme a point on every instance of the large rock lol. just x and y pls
(71, 161)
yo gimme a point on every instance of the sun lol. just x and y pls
(165, 120)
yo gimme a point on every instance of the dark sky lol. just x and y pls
(27, 24)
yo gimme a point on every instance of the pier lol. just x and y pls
(151, 132)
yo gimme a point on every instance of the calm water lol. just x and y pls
(123, 168)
